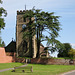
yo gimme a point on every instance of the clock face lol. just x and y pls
(24, 26)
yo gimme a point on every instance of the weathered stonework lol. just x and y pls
(51, 61)
(19, 37)
(22, 48)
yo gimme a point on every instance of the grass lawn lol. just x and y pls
(39, 69)
(9, 65)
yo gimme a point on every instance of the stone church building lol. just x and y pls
(22, 46)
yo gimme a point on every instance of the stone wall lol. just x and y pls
(4, 58)
(22, 60)
(10, 53)
(51, 61)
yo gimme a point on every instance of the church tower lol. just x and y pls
(22, 46)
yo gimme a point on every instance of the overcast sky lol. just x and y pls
(63, 8)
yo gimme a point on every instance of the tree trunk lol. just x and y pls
(30, 40)
(38, 42)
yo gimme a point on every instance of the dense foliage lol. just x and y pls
(63, 52)
(72, 53)
(39, 22)
(2, 23)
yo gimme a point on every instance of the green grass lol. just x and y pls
(9, 65)
(39, 69)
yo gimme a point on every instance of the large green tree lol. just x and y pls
(39, 23)
(2, 23)
(72, 53)
(63, 52)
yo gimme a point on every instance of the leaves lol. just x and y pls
(2, 23)
(43, 22)
(2, 11)
(0, 1)
(64, 49)
(72, 52)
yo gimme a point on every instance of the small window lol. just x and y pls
(24, 19)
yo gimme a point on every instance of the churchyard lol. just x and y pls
(31, 29)
(38, 69)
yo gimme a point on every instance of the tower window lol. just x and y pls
(24, 19)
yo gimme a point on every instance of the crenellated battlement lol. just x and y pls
(21, 12)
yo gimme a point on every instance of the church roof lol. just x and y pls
(11, 47)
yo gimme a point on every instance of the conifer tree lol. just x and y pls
(42, 22)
